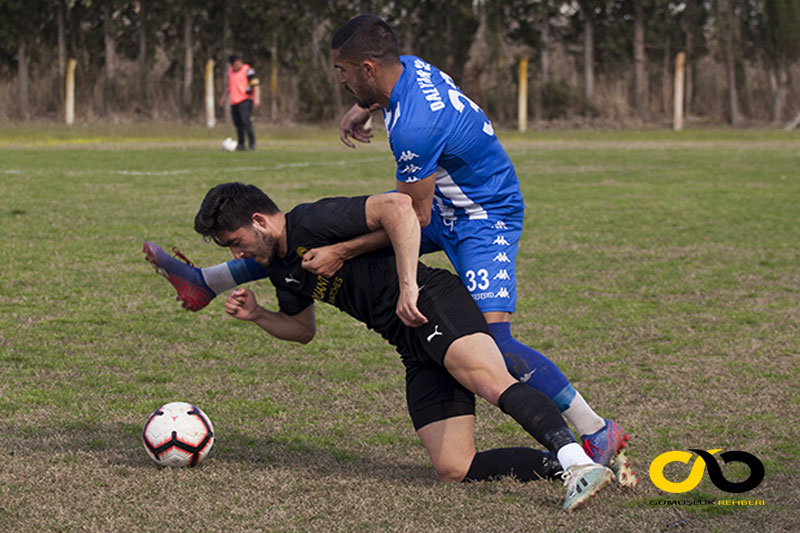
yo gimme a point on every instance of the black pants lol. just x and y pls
(241, 119)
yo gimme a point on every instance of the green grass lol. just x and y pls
(658, 269)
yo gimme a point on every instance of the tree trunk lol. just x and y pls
(545, 52)
(108, 41)
(688, 70)
(22, 76)
(725, 9)
(778, 79)
(225, 53)
(318, 34)
(273, 79)
(688, 92)
(666, 80)
(639, 61)
(588, 58)
(61, 38)
(188, 59)
(477, 59)
(142, 57)
(544, 70)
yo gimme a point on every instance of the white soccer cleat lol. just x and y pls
(583, 482)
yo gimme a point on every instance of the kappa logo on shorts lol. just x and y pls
(500, 240)
(435, 333)
(410, 169)
(503, 275)
(407, 155)
(501, 257)
(500, 225)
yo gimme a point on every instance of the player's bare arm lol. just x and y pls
(327, 260)
(394, 213)
(421, 193)
(300, 328)
(352, 125)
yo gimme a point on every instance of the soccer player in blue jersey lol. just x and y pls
(466, 195)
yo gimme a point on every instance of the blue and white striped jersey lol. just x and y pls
(435, 128)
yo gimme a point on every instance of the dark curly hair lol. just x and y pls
(230, 206)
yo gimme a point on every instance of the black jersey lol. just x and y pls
(366, 287)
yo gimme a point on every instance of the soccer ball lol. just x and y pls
(229, 145)
(178, 434)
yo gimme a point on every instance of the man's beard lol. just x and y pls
(267, 248)
(364, 100)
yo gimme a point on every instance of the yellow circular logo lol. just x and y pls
(695, 475)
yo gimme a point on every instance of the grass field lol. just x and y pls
(660, 271)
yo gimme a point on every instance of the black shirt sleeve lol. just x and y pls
(332, 220)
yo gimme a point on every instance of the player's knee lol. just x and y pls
(491, 389)
(452, 471)
(424, 218)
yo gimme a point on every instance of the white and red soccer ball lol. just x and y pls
(178, 434)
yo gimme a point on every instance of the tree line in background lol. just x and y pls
(599, 60)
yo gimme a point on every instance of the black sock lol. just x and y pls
(526, 464)
(537, 414)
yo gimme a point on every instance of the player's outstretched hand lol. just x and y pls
(324, 261)
(407, 308)
(352, 125)
(242, 304)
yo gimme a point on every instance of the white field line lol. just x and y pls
(179, 171)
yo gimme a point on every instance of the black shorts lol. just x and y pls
(432, 393)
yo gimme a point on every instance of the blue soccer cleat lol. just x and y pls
(605, 448)
(193, 293)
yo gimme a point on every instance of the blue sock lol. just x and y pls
(244, 270)
(531, 367)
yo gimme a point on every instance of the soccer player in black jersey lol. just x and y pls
(426, 313)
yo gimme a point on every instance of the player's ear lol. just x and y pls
(368, 68)
(258, 220)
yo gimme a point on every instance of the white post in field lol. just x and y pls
(69, 101)
(677, 111)
(211, 118)
(522, 101)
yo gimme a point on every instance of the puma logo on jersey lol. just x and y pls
(290, 279)
(435, 333)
